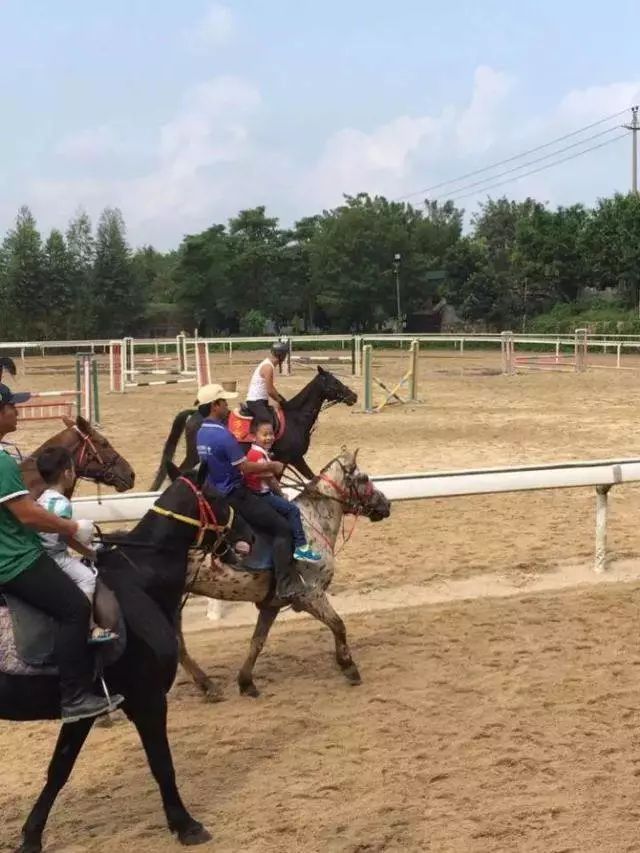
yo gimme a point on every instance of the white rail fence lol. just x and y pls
(600, 474)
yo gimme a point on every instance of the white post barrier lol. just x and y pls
(601, 474)
(506, 351)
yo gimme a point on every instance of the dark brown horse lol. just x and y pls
(94, 457)
(301, 415)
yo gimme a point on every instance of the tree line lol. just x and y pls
(340, 270)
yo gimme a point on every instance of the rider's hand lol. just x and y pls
(85, 532)
(277, 469)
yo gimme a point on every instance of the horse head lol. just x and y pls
(344, 481)
(94, 456)
(335, 391)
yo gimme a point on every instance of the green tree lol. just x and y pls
(23, 278)
(57, 287)
(81, 249)
(611, 246)
(119, 299)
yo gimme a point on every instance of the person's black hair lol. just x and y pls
(52, 463)
(256, 423)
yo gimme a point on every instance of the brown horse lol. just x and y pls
(340, 489)
(94, 457)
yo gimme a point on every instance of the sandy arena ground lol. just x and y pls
(500, 696)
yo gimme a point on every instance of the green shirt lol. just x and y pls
(19, 546)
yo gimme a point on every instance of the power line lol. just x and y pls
(515, 157)
(541, 168)
(530, 162)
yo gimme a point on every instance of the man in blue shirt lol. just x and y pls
(226, 464)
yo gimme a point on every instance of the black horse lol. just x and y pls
(146, 570)
(301, 412)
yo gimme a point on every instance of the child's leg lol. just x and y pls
(291, 512)
(83, 576)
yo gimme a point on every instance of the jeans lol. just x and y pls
(45, 586)
(291, 512)
(258, 513)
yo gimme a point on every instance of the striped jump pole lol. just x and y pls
(116, 367)
(203, 363)
(367, 365)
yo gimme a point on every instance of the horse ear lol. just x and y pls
(83, 424)
(173, 472)
(321, 370)
(201, 475)
(68, 422)
(355, 455)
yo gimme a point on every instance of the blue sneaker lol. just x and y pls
(305, 554)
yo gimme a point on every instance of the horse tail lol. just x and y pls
(7, 364)
(170, 446)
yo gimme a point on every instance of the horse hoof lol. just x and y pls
(352, 675)
(249, 690)
(29, 847)
(212, 695)
(194, 834)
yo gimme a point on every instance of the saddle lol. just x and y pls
(239, 424)
(27, 635)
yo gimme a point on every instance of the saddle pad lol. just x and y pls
(27, 636)
(33, 632)
(239, 426)
(10, 661)
(261, 557)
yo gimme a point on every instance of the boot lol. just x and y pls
(290, 585)
(80, 705)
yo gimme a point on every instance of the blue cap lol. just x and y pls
(7, 396)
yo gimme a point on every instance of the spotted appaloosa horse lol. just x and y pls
(340, 489)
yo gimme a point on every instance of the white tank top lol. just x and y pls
(258, 385)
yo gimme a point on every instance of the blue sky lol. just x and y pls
(182, 113)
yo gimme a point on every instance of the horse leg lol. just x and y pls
(266, 618)
(209, 689)
(150, 720)
(320, 608)
(70, 741)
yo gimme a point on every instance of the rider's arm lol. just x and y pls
(32, 515)
(267, 373)
(263, 468)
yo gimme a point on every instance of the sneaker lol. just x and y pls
(305, 554)
(88, 705)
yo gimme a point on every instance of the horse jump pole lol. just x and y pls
(409, 379)
(578, 363)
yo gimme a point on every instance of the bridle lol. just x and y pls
(86, 452)
(206, 521)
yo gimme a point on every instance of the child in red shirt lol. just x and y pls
(268, 488)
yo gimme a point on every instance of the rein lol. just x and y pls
(206, 521)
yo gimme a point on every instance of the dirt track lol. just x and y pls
(490, 724)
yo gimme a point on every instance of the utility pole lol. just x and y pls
(634, 127)
(396, 269)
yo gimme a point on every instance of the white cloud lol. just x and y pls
(213, 30)
(89, 144)
(207, 161)
(187, 175)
